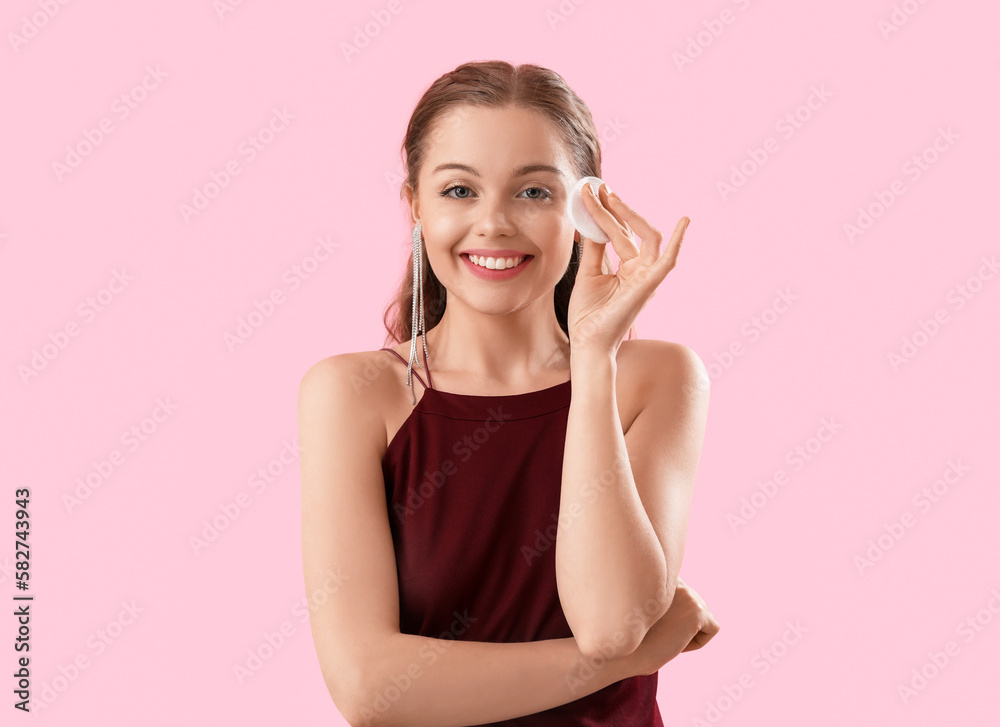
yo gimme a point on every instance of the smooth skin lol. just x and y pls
(499, 339)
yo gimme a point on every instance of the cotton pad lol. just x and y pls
(582, 220)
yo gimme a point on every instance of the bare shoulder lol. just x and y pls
(648, 364)
(649, 356)
(347, 385)
(356, 372)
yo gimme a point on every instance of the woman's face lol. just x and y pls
(508, 195)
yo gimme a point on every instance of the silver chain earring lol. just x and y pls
(417, 322)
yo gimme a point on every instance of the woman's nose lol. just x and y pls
(495, 218)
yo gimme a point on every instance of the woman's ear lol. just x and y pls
(412, 203)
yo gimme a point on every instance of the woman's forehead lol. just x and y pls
(497, 143)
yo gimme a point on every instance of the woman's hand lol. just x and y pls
(687, 625)
(604, 306)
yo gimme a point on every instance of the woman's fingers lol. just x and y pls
(669, 257)
(620, 235)
(651, 237)
(606, 202)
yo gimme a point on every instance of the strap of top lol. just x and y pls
(414, 371)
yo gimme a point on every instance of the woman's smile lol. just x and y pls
(496, 268)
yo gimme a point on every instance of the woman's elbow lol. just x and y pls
(613, 643)
(349, 685)
(598, 645)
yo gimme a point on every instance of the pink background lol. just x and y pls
(670, 135)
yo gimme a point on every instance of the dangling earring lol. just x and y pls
(416, 322)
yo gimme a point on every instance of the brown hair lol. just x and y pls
(493, 84)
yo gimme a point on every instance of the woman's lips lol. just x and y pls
(486, 274)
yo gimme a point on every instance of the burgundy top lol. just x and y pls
(473, 485)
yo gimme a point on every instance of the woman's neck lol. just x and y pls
(520, 347)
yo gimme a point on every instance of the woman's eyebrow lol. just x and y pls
(519, 172)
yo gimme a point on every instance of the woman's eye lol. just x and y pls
(447, 192)
(543, 193)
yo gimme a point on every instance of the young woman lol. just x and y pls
(502, 543)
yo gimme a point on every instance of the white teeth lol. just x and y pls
(496, 263)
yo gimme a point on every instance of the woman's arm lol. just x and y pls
(416, 681)
(375, 674)
(625, 496)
